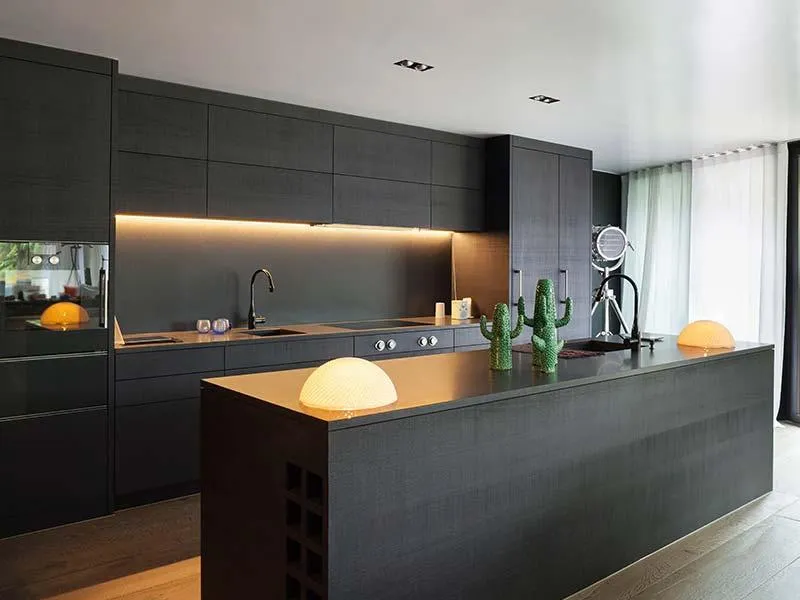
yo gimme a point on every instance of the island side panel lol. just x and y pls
(263, 481)
(540, 496)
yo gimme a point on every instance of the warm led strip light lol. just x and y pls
(123, 218)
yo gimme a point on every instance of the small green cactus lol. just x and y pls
(544, 341)
(500, 336)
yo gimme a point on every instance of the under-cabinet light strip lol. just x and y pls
(123, 218)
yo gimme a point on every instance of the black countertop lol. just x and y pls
(445, 381)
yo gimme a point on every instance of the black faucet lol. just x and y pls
(252, 318)
(636, 337)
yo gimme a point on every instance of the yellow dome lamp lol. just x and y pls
(64, 315)
(708, 335)
(348, 384)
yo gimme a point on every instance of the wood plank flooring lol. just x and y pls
(152, 553)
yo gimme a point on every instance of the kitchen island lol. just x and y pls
(477, 484)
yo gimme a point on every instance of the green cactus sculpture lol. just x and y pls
(544, 341)
(500, 336)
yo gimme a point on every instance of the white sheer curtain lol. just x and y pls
(659, 227)
(710, 240)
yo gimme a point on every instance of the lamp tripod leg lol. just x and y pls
(618, 311)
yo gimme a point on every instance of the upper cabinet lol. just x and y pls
(246, 137)
(457, 166)
(55, 148)
(457, 200)
(158, 125)
(381, 155)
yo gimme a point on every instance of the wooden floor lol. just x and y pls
(151, 553)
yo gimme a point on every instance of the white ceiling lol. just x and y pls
(642, 82)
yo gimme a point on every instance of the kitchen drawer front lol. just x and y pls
(266, 353)
(272, 368)
(161, 389)
(406, 342)
(54, 470)
(457, 166)
(248, 192)
(161, 185)
(156, 363)
(361, 201)
(157, 447)
(468, 336)
(45, 384)
(427, 351)
(381, 155)
(457, 209)
(159, 125)
(242, 136)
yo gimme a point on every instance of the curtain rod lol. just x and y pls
(729, 152)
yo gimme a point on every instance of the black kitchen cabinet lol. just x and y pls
(158, 363)
(158, 125)
(54, 469)
(534, 221)
(362, 201)
(575, 242)
(270, 194)
(381, 155)
(161, 185)
(457, 166)
(35, 385)
(158, 450)
(538, 223)
(247, 137)
(280, 352)
(457, 209)
(55, 151)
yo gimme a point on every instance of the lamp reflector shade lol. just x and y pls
(706, 334)
(64, 313)
(348, 384)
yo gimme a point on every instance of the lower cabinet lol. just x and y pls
(158, 450)
(53, 469)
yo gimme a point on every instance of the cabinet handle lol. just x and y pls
(566, 286)
(518, 273)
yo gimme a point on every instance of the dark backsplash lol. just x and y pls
(169, 273)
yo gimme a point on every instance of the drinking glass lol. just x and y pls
(203, 326)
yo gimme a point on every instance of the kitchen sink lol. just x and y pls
(273, 332)
(594, 345)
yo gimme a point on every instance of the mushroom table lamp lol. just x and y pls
(64, 314)
(348, 384)
(707, 335)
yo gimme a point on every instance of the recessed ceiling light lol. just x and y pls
(545, 99)
(412, 64)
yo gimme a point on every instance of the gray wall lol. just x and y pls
(606, 210)
(171, 272)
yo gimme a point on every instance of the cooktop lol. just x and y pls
(385, 324)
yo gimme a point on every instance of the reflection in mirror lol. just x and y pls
(35, 276)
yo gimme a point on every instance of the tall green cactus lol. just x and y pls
(544, 341)
(500, 336)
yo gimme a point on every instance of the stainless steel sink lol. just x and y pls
(595, 345)
(267, 332)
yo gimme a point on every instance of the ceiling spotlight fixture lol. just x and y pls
(545, 99)
(411, 64)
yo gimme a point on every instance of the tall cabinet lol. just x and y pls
(56, 124)
(538, 202)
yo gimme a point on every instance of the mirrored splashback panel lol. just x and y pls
(53, 286)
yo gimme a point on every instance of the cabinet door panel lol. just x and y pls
(248, 192)
(55, 152)
(158, 445)
(159, 125)
(161, 185)
(457, 209)
(381, 155)
(155, 363)
(37, 385)
(361, 201)
(575, 243)
(267, 353)
(242, 136)
(131, 392)
(534, 221)
(54, 470)
(457, 166)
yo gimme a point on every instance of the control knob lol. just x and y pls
(423, 341)
(380, 345)
(391, 344)
(433, 340)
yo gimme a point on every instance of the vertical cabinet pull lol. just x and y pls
(566, 286)
(518, 273)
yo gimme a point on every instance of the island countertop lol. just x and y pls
(434, 383)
